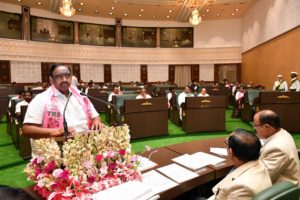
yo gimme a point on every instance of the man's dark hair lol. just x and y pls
(54, 66)
(28, 91)
(10, 193)
(269, 117)
(245, 145)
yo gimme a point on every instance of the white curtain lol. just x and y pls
(182, 75)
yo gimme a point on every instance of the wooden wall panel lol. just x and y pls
(280, 55)
(107, 73)
(144, 73)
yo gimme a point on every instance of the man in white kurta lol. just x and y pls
(295, 83)
(181, 98)
(280, 84)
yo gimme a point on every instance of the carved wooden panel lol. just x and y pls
(171, 73)
(4, 72)
(107, 73)
(195, 72)
(144, 73)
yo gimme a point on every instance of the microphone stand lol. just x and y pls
(117, 109)
(66, 132)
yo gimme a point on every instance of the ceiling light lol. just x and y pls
(79, 9)
(67, 8)
(195, 18)
(232, 14)
(140, 15)
(142, 10)
(81, 3)
(218, 15)
(19, 0)
(97, 11)
(170, 11)
(39, 3)
(237, 9)
(203, 15)
(112, 8)
(153, 16)
(125, 14)
(115, 1)
(207, 10)
(110, 13)
(168, 16)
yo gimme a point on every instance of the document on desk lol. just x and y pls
(145, 164)
(218, 151)
(197, 160)
(158, 182)
(177, 173)
(132, 190)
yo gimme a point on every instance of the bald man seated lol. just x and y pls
(249, 176)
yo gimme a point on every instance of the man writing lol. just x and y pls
(44, 117)
(279, 153)
(242, 183)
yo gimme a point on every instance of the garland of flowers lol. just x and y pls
(84, 165)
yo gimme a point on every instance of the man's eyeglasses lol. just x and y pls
(61, 76)
(254, 126)
(226, 142)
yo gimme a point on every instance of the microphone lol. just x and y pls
(64, 116)
(117, 109)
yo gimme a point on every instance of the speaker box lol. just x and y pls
(118, 21)
(25, 10)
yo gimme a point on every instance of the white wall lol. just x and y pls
(267, 19)
(125, 73)
(93, 72)
(25, 71)
(158, 73)
(206, 72)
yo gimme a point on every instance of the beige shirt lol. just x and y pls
(243, 183)
(280, 156)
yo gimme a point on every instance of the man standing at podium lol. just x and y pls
(44, 116)
(143, 94)
(280, 84)
(279, 153)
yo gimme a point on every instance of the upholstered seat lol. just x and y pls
(281, 191)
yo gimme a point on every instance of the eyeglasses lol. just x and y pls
(61, 76)
(254, 126)
(226, 142)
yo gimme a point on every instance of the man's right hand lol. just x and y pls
(57, 132)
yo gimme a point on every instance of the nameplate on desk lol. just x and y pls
(201, 170)
(282, 97)
(146, 104)
(206, 101)
(220, 164)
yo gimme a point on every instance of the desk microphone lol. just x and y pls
(64, 116)
(117, 109)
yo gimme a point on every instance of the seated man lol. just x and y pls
(203, 93)
(279, 153)
(27, 99)
(19, 96)
(181, 98)
(117, 91)
(171, 96)
(143, 94)
(250, 176)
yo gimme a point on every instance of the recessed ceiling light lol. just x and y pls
(19, 0)
(232, 14)
(140, 15)
(39, 3)
(125, 14)
(168, 16)
(153, 16)
(207, 10)
(170, 11)
(203, 15)
(79, 9)
(96, 11)
(115, 1)
(142, 10)
(237, 9)
(218, 15)
(112, 8)
(81, 3)
(110, 13)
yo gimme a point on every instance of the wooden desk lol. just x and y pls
(221, 169)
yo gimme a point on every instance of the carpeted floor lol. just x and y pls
(12, 165)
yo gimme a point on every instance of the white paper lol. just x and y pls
(177, 173)
(197, 160)
(157, 181)
(219, 151)
(145, 164)
(132, 190)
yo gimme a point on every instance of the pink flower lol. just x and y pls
(91, 179)
(38, 172)
(111, 154)
(122, 152)
(50, 167)
(99, 157)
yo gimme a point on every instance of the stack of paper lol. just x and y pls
(145, 164)
(177, 173)
(218, 151)
(132, 190)
(197, 160)
(158, 182)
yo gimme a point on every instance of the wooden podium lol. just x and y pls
(146, 117)
(286, 105)
(204, 114)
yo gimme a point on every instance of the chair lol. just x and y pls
(280, 191)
